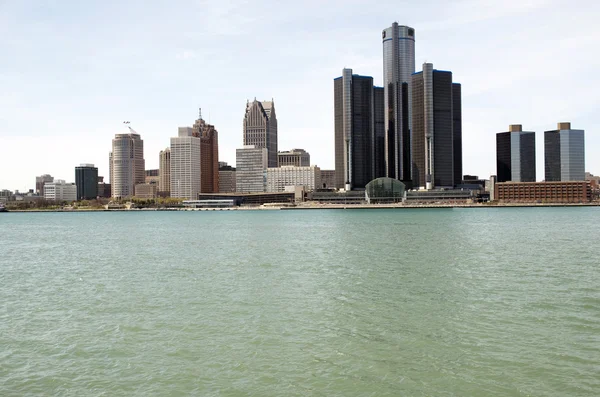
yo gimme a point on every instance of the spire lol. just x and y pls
(200, 113)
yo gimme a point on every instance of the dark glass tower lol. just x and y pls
(86, 179)
(437, 129)
(357, 107)
(515, 155)
(564, 158)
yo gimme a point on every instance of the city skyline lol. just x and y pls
(94, 81)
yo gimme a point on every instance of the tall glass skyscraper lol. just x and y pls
(515, 155)
(398, 66)
(564, 157)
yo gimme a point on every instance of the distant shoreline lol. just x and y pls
(318, 207)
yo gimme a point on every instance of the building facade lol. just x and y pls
(295, 157)
(185, 164)
(355, 113)
(437, 126)
(209, 156)
(260, 128)
(60, 191)
(398, 67)
(86, 179)
(226, 178)
(281, 177)
(544, 192)
(127, 165)
(251, 169)
(164, 171)
(515, 155)
(40, 181)
(564, 154)
(146, 190)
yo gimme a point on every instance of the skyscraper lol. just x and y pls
(437, 125)
(127, 165)
(251, 169)
(260, 128)
(86, 179)
(515, 155)
(355, 114)
(164, 171)
(564, 156)
(40, 181)
(185, 164)
(398, 66)
(209, 156)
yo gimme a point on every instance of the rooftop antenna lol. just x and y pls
(200, 113)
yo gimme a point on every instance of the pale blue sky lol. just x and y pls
(72, 71)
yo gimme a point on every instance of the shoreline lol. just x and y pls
(318, 207)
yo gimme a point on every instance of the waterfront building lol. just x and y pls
(185, 164)
(152, 177)
(209, 155)
(103, 189)
(515, 155)
(279, 178)
(398, 67)
(544, 192)
(295, 157)
(40, 181)
(260, 128)
(327, 179)
(127, 165)
(146, 190)
(59, 190)
(164, 171)
(564, 154)
(437, 130)
(86, 179)
(5, 195)
(226, 178)
(251, 169)
(355, 141)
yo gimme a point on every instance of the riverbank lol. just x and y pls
(320, 206)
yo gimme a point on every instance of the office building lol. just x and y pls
(437, 126)
(152, 177)
(226, 178)
(104, 190)
(146, 190)
(355, 142)
(564, 154)
(127, 165)
(295, 157)
(40, 181)
(515, 155)
(260, 128)
(251, 169)
(86, 179)
(327, 179)
(544, 192)
(209, 155)
(164, 171)
(280, 178)
(398, 67)
(185, 164)
(60, 191)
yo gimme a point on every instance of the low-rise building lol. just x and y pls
(146, 190)
(59, 190)
(281, 177)
(543, 192)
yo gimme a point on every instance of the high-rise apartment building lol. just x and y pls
(295, 157)
(86, 179)
(127, 165)
(164, 171)
(398, 67)
(515, 155)
(209, 156)
(564, 154)
(260, 128)
(355, 113)
(185, 164)
(251, 169)
(437, 126)
(40, 181)
(278, 179)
